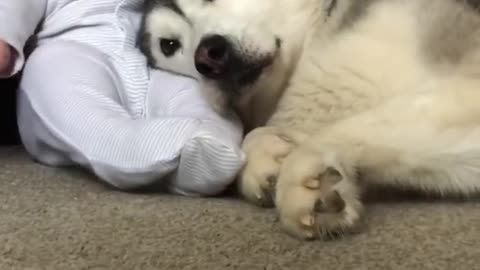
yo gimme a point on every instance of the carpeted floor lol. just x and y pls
(56, 219)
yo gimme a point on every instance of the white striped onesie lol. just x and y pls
(87, 98)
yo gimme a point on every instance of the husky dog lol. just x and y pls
(338, 95)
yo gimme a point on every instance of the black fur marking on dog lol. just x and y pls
(355, 12)
(331, 7)
(143, 37)
(474, 4)
(168, 4)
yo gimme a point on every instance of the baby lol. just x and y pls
(87, 98)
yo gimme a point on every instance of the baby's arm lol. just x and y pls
(6, 59)
(21, 18)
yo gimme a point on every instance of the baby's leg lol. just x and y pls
(212, 157)
(71, 113)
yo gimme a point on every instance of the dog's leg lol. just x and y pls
(428, 140)
(265, 148)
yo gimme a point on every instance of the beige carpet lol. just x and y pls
(55, 219)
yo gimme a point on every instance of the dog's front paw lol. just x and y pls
(265, 150)
(317, 195)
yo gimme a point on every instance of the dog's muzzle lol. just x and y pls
(217, 59)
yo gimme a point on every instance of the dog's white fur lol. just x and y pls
(377, 92)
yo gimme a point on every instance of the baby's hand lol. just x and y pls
(6, 59)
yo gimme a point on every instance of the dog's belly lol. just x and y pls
(360, 68)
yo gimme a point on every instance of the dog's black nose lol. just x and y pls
(212, 56)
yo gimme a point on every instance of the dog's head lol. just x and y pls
(220, 42)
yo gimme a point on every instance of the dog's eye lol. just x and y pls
(169, 46)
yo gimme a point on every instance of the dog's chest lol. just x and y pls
(361, 67)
